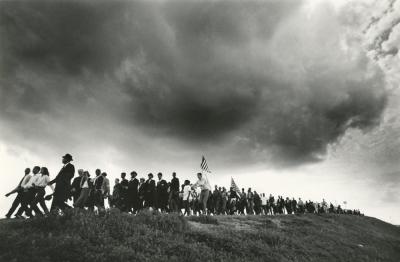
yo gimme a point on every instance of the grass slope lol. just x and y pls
(158, 237)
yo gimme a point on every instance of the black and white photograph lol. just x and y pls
(199, 130)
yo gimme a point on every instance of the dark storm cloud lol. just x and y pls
(246, 75)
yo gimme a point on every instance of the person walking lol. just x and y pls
(19, 190)
(63, 184)
(84, 191)
(40, 187)
(150, 191)
(133, 196)
(205, 187)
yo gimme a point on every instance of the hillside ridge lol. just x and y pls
(150, 236)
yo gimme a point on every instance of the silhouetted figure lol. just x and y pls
(76, 186)
(174, 193)
(150, 187)
(84, 186)
(224, 200)
(106, 186)
(142, 193)
(29, 193)
(91, 200)
(133, 193)
(250, 202)
(257, 203)
(162, 193)
(124, 192)
(242, 202)
(63, 184)
(19, 190)
(98, 189)
(216, 196)
(40, 187)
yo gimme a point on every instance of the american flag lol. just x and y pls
(204, 165)
(235, 187)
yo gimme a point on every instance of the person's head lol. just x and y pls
(187, 182)
(199, 175)
(80, 172)
(66, 159)
(104, 174)
(219, 188)
(173, 174)
(150, 175)
(159, 175)
(142, 180)
(249, 189)
(27, 170)
(36, 169)
(44, 171)
(133, 174)
(242, 189)
(116, 181)
(86, 173)
(123, 175)
(98, 172)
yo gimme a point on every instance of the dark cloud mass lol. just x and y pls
(258, 76)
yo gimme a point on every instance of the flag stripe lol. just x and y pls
(235, 187)
(204, 165)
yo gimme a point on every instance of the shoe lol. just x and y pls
(8, 216)
(19, 217)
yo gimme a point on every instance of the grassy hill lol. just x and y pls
(149, 236)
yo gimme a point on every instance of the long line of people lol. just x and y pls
(135, 194)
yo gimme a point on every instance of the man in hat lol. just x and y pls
(63, 184)
(133, 197)
(124, 192)
(161, 193)
(150, 187)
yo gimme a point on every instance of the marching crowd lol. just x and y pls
(135, 194)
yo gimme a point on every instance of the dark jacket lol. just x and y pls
(98, 184)
(175, 184)
(63, 181)
(76, 185)
(133, 187)
(162, 187)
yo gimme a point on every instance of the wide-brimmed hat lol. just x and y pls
(68, 157)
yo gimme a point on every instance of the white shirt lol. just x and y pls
(26, 180)
(264, 201)
(34, 179)
(203, 184)
(85, 184)
(43, 181)
(186, 192)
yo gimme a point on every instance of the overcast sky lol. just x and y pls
(298, 98)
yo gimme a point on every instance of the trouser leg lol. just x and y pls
(33, 201)
(25, 200)
(40, 199)
(203, 199)
(14, 205)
